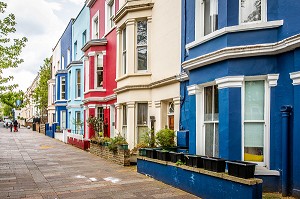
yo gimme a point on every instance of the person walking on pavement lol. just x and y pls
(15, 126)
(11, 125)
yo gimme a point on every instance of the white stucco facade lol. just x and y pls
(154, 90)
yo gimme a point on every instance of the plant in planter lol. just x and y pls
(116, 142)
(163, 155)
(141, 147)
(165, 139)
(94, 140)
(58, 130)
(214, 164)
(96, 124)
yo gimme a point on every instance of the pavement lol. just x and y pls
(35, 166)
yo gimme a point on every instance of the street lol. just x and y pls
(33, 165)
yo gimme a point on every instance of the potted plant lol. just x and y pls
(241, 169)
(163, 155)
(214, 164)
(174, 156)
(165, 139)
(141, 147)
(148, 139)
(58, 130)
(194, 161)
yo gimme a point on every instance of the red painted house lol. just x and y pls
(100, 66)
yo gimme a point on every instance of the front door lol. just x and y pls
(171, 122)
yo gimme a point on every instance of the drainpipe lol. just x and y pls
(285, 114)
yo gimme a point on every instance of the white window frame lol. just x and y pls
(76, 118)
(95, 26)
(70, 84)
(96, 70)
(75, 50)
(61, 119)
(263, 13)
(140, 125)
(87, 74)
(199, 19)
(101, 113)
(78, 84)
(124, 51)
(266, 161)
(138, 46)
(83, 37)
(61, 91)
(110, 14)
(124, 113)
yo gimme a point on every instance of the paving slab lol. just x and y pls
(35, 166)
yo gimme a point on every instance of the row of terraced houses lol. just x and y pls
(227, 71)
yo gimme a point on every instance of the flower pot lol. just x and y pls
(174, 156)
(214, 164)
(174, 149)
(151, 153)
(163, 155)
(194, 161)
(142, 152)
(241, 169)
(123, 146)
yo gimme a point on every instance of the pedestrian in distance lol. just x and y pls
(15, 126)
(11, 125)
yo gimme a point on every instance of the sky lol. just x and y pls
(42, 22)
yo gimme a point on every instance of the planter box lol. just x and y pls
(163, 155)
(151, 153)
(142, 152)
(123, 146)
(214, 164)
(174, 157)
(194, 161)
(241, 169)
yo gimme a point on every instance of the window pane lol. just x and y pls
(208, 93)
(124, 115)
(124, 39)
(209, 138)
(142, 58)
(254, 100)
(142, 114)
(207, 27)
(142, 33)
(254, 142)
(250, 10)
(216, 103)
(216, 140)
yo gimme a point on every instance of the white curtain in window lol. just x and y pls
(250, 10)
(254, 135)
(254, 100)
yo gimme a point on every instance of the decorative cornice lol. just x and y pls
(157, 104)
(183, 76)
(90, 3)
(130, 104)
(74, 63)
(230, 82)
(295, 76)
(100, 99)
(232, 29)
(70, 106)
(94, 42)
(92, 53)
(156, 84)
(193, 89)
(92, 106)
(176, 100)
(133, 6)
(282, 46)
(61, 72)
(118, 105)
(272, 79)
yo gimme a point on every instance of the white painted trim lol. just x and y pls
(272, 79)
(282, 46)
(200, 137)
(230, 82)
(157, 104)
(76, 136)
(193, 89)
(92, 53)
(295, 76)
(96, 15)
(183, 76)
(92, 106)
(232, 29)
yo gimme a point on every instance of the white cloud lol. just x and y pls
(42, 22)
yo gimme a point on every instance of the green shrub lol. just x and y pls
(165, 138)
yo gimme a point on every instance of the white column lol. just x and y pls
(119, 118)
(119, 54)
(176, 101)
(158, 115)
(131, 125)
(130, 42)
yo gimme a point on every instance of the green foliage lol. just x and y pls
(40, 93)
(165, 138)
(95, 123)
(57, 128)
(148, 138)
(179, 163)
(10, 48)
(116, 141)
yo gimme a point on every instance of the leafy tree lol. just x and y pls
(8, 101)
(10, 48)
(40, 94)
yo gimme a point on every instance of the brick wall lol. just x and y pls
(121, 156)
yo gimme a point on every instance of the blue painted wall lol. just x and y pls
(230, 98)
(66, 44)
(60, 104)
(81, 24)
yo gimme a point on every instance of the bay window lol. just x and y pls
(254, 121)
(78, 84)
(211, 121)
(142, 119)
(142, 45)
(206, 17)
(124, 50)
(63, 88)
(252, 11)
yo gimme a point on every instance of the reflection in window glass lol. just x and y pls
(142, 45)
(250, 10)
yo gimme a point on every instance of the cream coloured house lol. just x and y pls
(148, 66)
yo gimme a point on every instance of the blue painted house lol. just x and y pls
(80, 35)
(61, 78)
(240, 70)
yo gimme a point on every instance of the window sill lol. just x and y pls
(231, 29)
(77, 99)
(263, 171)
(133, 75)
